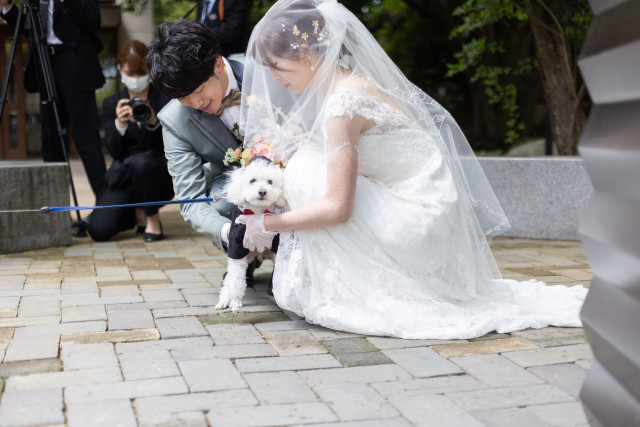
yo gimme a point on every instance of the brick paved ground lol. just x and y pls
(125, 333)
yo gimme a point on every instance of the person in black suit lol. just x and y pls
(133, 137)
(73, 46)
(227, 19)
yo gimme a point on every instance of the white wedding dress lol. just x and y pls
(409, 262)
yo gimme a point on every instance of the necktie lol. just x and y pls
(205, 10)
(43, 15)
(233, 98)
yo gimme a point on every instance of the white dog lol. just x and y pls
(254, 189)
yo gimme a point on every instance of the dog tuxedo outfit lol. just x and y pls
(237, 230)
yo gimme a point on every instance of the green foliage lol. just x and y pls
(170, 10)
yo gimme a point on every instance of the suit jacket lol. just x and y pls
(195, 144)
(77, 22)
(231, 31)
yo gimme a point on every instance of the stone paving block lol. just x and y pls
(322, 334)
(235, 333)
(355, 401)
(483, 347)
(9, 313)
(551, 337)
(5, 336)
(358, 374)
(211, 375)
(272, 388)
(287, 363)
(244, 317)
(64, 379)
(238, 351)
(425, 386)
(29, 367)
(81, 287)
(28, 321)
(562, 414)
(387, 422)
(363, 359)
(83, 313)
(177, 327)
(172, 344)
(285, 325)
(155, 295)
(551, 355)
(111, 336)
(208, 299)
(567, 377)
(130, 319)
(184, 419)
(294, 343)
(32, 407)
(61, 329)
(495, 370)
(148, 305)
(260, 306)
(390, 343)
(422, 362)
(270, 415)
(148, 275)
(107, 413)
(433, 410)
(508, 417)
(149, 406)
(29, 348)
(349, 345)
(119, 291)
(510, 397)
(105, 273)
(125, 390)
(88, 356)
(148, 364)
(9, 303)
(185, 276)
(202, 311)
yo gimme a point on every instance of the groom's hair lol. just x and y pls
(182, 57)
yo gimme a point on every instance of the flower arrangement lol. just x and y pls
(259, 147)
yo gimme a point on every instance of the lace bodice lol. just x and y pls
(351, 101)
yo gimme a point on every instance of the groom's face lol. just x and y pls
(208, 96)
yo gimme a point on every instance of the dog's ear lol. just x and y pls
(281, 202)
(234, 186)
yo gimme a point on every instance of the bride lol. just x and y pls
(389, 212)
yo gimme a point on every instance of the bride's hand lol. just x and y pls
(255, 236)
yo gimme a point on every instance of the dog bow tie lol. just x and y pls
(250, 212)
(233, 98)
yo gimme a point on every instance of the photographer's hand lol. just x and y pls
(124, 115)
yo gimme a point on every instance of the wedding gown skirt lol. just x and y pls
(411, 262)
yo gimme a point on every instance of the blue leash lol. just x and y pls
(48, 209)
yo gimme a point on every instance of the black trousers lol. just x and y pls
(149, 182)
(79, 115)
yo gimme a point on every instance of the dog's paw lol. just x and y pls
(223, 302)
(236, 305)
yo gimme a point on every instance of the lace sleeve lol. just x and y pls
(351, 101)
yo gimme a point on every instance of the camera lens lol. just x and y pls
(140, 109)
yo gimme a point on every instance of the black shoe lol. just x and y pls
(152, 237)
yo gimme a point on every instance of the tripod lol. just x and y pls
(29, 10)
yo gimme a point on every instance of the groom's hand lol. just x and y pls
(255, 236)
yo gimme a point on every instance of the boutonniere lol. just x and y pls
(236, 132)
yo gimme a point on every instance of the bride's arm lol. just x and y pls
(342, 172)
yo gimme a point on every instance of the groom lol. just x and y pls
(186, 64)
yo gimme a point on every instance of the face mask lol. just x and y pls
(136, 84)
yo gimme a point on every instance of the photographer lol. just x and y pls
(134, 139)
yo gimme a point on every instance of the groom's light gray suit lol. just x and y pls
(195, 144)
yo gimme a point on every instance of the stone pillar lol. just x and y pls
(610, 226)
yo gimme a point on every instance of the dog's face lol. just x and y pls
(258, 185)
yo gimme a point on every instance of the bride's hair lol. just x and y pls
(295, 33)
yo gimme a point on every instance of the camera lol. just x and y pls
(140, 109)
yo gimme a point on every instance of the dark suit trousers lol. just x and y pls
(149, 182)
(79, 115)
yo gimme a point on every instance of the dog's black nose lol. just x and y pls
(262, 193)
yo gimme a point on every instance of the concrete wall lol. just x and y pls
(32, 185)
(542, 197)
